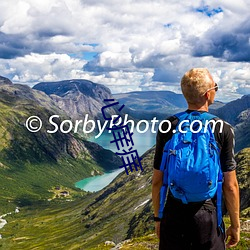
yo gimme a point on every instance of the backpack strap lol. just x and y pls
(218, 200)
(164, 169)
(163, 194)
(209, 116)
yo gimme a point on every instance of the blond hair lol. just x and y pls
(195, 83)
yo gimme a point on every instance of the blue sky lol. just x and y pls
(126, 45)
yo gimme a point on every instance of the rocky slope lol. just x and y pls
(232, 110)
(78, 97)
(4, 80)
(237, 114)
(242, 130)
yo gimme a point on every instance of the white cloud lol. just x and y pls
(140, 44)
(34, 68)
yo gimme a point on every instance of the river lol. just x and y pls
(142, 142)
(3, 222)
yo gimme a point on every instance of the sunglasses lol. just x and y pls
(216, 87)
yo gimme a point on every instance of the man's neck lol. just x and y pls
(198, 107)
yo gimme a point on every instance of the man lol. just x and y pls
(194, 225)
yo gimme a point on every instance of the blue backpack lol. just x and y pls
(191, 162)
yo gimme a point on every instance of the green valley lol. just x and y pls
(32, 163)
(38, 172)
(121, 213)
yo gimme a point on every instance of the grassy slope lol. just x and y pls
(48, 226)
(150, 242)
(32, 163)
(106, 215)
(25, 170)
(60, 225)
(243, 175)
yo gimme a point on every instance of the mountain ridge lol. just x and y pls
(230, 111)
(4, 80)
(58, 158)
(78, 97)
(237, 113)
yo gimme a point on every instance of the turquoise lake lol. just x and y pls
(98, 182)
(142, 142)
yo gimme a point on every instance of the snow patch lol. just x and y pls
(4, 222)
(143, 186)
(143, 203)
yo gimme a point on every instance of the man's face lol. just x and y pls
(211, 93)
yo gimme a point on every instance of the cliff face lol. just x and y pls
(78, 97)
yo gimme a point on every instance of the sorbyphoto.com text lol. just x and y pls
(87, 126)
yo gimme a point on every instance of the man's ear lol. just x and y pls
(207, 95)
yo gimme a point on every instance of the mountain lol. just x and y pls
(31, 164)
(242, 130)
(216, 105)
(232, 110)
(142, 100)
(237, 114)
(78, 97)
(148, 104)
(159, 104)
(36, 167)
(243, 174)
(121, 211)
(4, 80)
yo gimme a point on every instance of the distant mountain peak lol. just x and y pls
(77, 97)
(62, 88)
(4, 80)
